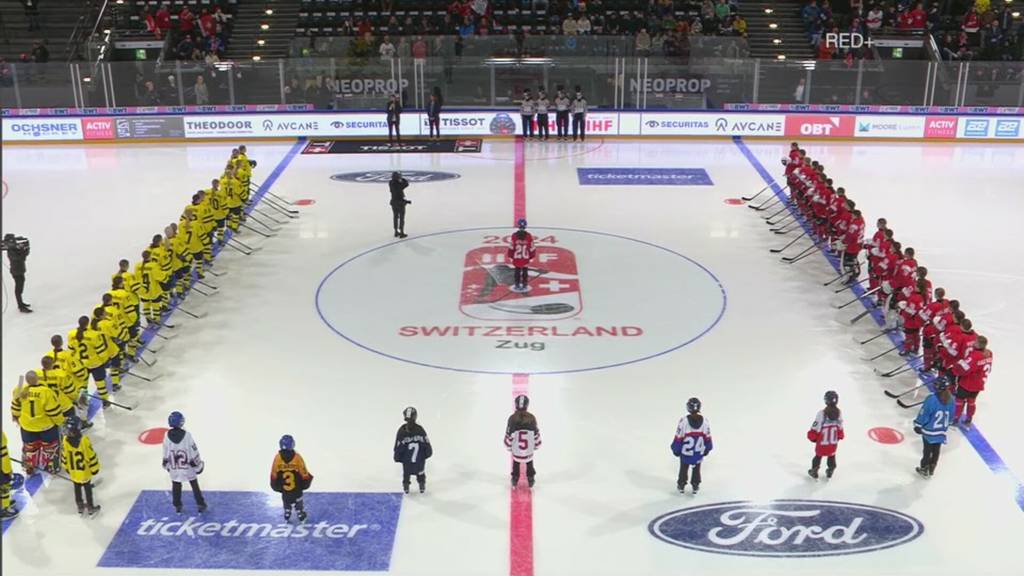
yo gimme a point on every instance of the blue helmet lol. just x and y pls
(940, 383)
(831, 398)
(693, 405)
(176, 419)
(521, 223)
(287, 442)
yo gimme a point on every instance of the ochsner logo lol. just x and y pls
(786, 528)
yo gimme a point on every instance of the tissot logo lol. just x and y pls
(786, 528)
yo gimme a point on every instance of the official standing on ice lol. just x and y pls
(397, 185)
(579, 116)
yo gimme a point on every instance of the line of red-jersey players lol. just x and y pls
(927, 318)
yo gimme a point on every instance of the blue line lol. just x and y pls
(35, 482)
(973, 434)
(721, 313)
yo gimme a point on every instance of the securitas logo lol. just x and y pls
(244, 530)
(786, 528)
(384, 176)
(358, 124)
(699, 124)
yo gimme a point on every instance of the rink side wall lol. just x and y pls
(273, 122)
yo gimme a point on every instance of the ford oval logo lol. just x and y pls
(383, 176)
(786, 528)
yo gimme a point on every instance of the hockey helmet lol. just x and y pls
(693, 405)
(522, 402)
(176, 419)
(73, 425)
(409, 414)
(831, 398)
(940, 383)
(287, 442)
(521, 223)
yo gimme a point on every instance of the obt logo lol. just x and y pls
(820, 128)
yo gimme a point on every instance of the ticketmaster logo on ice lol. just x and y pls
(786, 528)
(245, 530)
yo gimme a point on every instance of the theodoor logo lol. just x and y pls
(786, 528)
(384, 176)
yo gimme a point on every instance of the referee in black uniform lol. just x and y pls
(397, 185)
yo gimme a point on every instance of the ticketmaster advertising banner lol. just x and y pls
(247, 531)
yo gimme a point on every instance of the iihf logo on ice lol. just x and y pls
(786, 528)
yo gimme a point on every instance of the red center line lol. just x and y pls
(521, 507)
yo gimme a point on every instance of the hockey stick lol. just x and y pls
(164, 336)
(282, 209)
(785, 220)
(768, 219)
(783, 249)
(192, 314)
(284, 201)
(54, 474)
(147, 362)
(832, 281)
(217, 274)
(268, 217)
(876, 336)
(804, 252)
(905, 405)
(877, 356)
(858, 317)
(201, 293)
(801, 256)
(905, 392)
(748, 199)
(850, 286)
(246, 252)
(783, 231)
(246, 246)
(143, 378)
(111, 402)
(895, 371)
(764, 205)
(858, 298)
(260, 232)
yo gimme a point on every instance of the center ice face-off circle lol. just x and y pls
(594, 300)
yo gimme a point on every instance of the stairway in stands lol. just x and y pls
(247, 32)
(58, 19)
(789, 29)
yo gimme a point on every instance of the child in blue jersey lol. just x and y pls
(691, 444)
(932, 422)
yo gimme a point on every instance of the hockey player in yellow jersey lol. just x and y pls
(205, 217)
(219, 203)
(82, 464)
(151, 292)
(180, 259)
(161, 254)
(113, 330)
(37, 411)
(92, 349)
(61, 384)
(127, 303)
(132, 284)
(230, 182)
(191, 229)
(68, 361)
(8, 510)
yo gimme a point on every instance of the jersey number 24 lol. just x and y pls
(693, 445)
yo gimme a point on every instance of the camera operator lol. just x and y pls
(397, 185)
(17, 252)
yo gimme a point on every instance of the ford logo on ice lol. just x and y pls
(786, 528)
(383, 176)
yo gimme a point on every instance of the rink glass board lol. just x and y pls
(247, 531)
(643, 177)
(456, 146)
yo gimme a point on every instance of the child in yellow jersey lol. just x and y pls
(36, 410)
(289, 476)
(82, 464)
(7, 509)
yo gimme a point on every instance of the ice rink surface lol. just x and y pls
(335, 326)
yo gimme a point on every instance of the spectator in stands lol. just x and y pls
(220, 17)
(890, 18)
(707, 11)
(856, 7)
(186, 20)
(32, 14)
(419, 49)
(971, 23)
(149, 96)
(40, 54)
(6, 76)
(583, 25)
(149, 21)
(810, 13)
(993, 40)
(364, 28)
(874, 19)
(934, 24)
(918, 17)
(740, 25)
(643, 43)
(467, 28)
(722, 11)
(201, 91)
(185, 47)
(386, 49)
(207, 23)
(163, 20)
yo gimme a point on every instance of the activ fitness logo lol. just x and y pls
(786, 528)
(466, 316)
(244, 531)
(384, 176)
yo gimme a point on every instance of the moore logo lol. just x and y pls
(383, 176)
(786, 528)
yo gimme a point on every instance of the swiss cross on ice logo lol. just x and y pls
(553, 285)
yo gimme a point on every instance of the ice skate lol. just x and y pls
(696, 488)
(288, 515)
(681, 487)
(813, 473)
(9, 513)
(94, 510)
(829, 472)
(405, 487)
(303, 516)
(923, 472)
(202, 508)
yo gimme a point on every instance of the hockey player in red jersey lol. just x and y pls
(928, 331)
(879, 246)
(972, 371)
(852, 241)
(910, 311)
(826, 432)
(520, 252)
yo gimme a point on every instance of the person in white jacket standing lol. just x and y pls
(182, 461)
